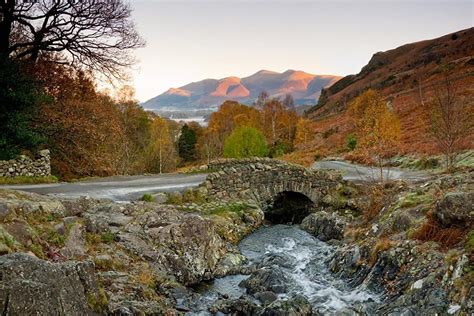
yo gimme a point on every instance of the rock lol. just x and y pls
(297, 305)
(266, 297)
(266, 279)
(241, 306)
(456, 209)
(30, 286)
(160, 197)
(75, 244)
(324, 226)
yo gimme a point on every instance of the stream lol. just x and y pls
(302, 259)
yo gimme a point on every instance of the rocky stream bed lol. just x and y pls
(198, 256)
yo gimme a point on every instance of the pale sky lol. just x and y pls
(191, 40)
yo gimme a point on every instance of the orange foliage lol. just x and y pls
(431, 230)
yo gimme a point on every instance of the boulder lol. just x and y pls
(456, 209)
(30, 286)
(297, 305)
(266, 279)
(324, 226)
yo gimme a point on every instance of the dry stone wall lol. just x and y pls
(25, 166)
(261, 179)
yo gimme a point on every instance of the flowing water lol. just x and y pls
(303, 259)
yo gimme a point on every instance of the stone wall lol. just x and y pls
(261, 179)
(25, 166)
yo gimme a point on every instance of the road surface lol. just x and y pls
(354, 172)
(119, 188)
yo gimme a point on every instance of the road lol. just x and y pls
(354, 172)
(119, 188)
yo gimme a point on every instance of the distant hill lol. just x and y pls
(409, 77)
(210, 93)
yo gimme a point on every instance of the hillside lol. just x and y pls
(210, 93)
(409, 77)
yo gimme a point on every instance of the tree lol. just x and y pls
(288, 101)
(20, 99)
(451, 121)
(262, 98)
(377, 127)
(245, 142)
(303, 133)
(94, 34)
(161, 152)
(187, 144)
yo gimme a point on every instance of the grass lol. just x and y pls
(28, 180)
(383, 244)
(147, 197)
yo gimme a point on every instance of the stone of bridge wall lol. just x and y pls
(25, 166)
(261, 179)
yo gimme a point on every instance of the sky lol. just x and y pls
(191, 40)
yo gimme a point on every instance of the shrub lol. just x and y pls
(351, 142)
(147, 197)
(376, 202)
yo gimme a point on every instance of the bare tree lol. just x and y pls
(288, 101)
(451, 121)
(97, 34)
(262, 99)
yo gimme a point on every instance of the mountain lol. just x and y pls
(409, 77)
(210, 93)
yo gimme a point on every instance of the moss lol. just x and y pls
(7, 242)
(107, 237)
(37, 250)
(147, 197)
(413, 199)
(470, 241)
(98, 302)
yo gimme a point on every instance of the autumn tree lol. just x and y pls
(279, 123)
(303, 133)
(452, 119)
(161, 154)
(96, 34)
(245, 142)
(377, 127)
(230, 116)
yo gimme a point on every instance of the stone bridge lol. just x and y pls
(286, 192)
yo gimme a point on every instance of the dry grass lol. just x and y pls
(376, 202)
(382, 245)
(431, 230)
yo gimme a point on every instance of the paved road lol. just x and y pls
(120, 188)
(356, 172)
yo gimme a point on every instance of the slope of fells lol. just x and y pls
(409, 77)
(210, 93)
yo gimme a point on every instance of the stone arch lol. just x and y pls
(288, 207)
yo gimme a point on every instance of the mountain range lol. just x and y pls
(210, 93)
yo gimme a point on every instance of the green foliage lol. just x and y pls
(19, 102)
(245, 142)
(351, 142)
(24, 179)
(280, 148)
(107, 237)
(187, 144)
(147, 197)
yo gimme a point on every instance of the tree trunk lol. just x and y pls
(6, 21)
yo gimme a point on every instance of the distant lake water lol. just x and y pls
(201, 120)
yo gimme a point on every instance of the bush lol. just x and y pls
(245, 142)
(147, 197)
(351, 142)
